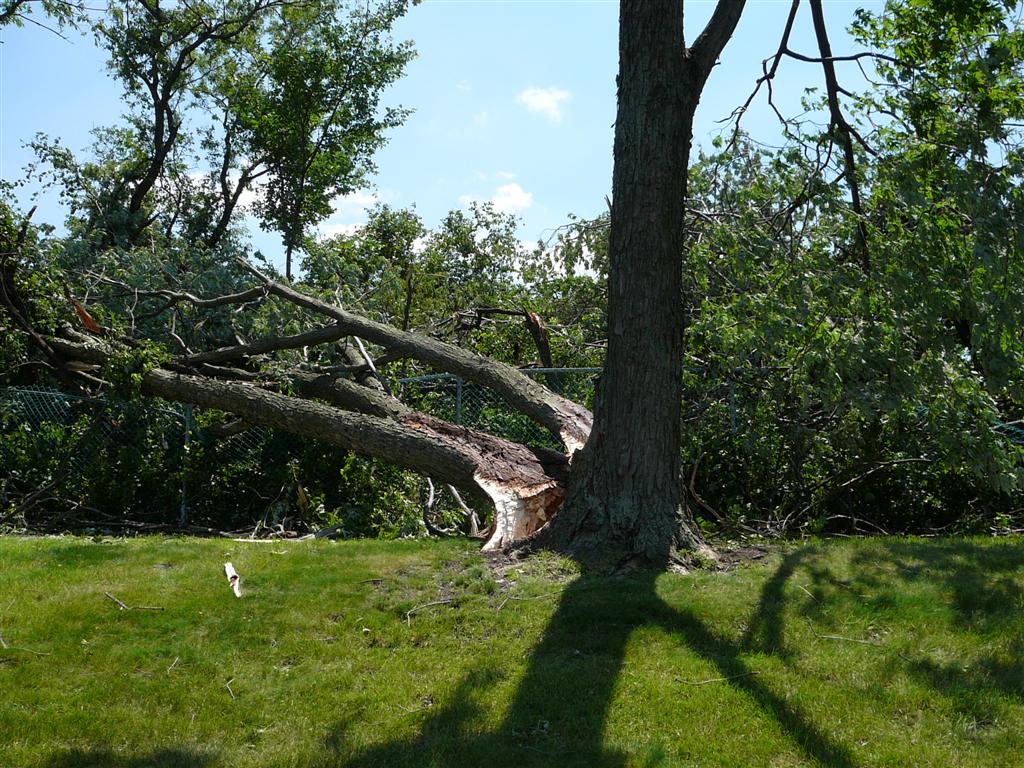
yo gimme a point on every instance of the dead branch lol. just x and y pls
(176, 297)
(528, 597)
(25, 650)
(850, 640)
(469, 512)
(121, 605)
(411, 611)
(124, 607)
(310, 338)
(768, 74)
(718, 679)
(846, 132)
(428, 507)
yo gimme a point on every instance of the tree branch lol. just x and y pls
(709, 44)
(570, 421)
(845, 131)
(311, 338)
(768, 73)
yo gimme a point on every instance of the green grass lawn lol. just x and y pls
(877, 652)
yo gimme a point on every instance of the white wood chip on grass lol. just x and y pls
(234, 580)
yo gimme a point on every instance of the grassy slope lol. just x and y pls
(325, 669)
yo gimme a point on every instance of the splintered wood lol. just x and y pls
(234, 580)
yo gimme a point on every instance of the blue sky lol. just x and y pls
(514, 102)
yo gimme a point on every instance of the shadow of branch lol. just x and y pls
(559, 711)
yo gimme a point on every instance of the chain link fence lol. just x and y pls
(471, 405)
(123, 455)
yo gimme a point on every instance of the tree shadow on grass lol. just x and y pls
(981, 584)
(161, 758)
(983, 581)
(558, 714)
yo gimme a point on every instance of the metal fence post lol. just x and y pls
(183, 513)
(458, 401)
(732, 406)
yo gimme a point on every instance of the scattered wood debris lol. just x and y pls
(234, 580)
(717, 679)
(124, 607)
(410, 612)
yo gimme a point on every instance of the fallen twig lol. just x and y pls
(805, 589)
(228, 686)
(717, 679)
(529, 597)
(125, 607)
(173, 664)
(122, 606)
(411, 611)
(26, 650)
(6, 647)
(850, 640)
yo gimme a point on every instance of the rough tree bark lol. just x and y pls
(625, 498)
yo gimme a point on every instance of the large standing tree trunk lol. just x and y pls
(625, 497)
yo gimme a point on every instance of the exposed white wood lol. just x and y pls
(234, 580)
(518, 512)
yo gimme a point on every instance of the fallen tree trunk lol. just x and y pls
(525, 485)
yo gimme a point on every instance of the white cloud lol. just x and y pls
(464, 86)
(511, 198)
(349, 213)
(334, 228)
(504, 175)
(354, 203)
(545, 101)
(508, 198)
(248, 196)
(480, 119)
(419, 245)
